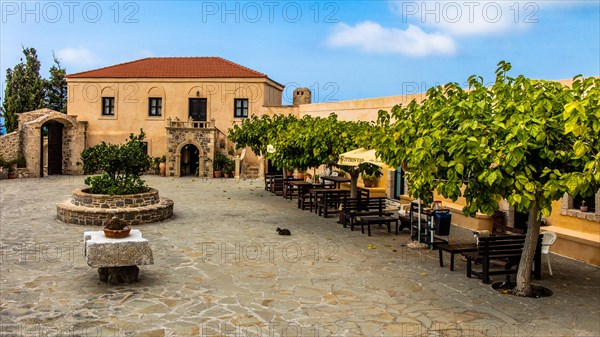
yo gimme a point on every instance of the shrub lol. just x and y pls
(120, 166)
(221, 161)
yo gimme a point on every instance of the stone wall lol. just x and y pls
(82, 198)
(97, 209)
(9, 146)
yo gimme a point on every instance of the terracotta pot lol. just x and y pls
(226, 174)
(217, 174)
(369, 182)
(162, 168)
(300, 175)
(116, 233)
(583, 208)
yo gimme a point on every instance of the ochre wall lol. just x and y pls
(131, 104)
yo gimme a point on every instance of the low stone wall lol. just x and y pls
(9, 146)
(83, 198)
(88, 209)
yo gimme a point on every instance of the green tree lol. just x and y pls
(24, 89)
(258, 132)
(120, 166)
(56, 88)
(302, 143)
(523, 140)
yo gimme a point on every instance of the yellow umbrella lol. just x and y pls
(358, 156)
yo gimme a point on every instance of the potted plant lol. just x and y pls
(370, 173)
(162, 166)
(583, 207)
(116, 228)
(228, 167)
(155, 165)
(219, 163)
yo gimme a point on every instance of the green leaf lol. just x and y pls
(491, 178)
(530, 187)
(580, 148)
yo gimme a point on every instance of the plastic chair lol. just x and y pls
(547, 241)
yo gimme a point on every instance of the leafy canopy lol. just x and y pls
(302, 143)
(521, 139)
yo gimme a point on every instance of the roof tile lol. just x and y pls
(173, 67)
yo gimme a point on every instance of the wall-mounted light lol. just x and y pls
(197, 93)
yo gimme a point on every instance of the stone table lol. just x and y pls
(117, 259)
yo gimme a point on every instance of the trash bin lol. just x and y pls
(441, 223)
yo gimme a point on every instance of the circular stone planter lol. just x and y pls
(97, 209)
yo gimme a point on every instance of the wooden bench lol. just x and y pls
(328, 201)
(277, 185)
(361, 206)
(454, 248)
(377, 220)
(503, 247)
(370, 211)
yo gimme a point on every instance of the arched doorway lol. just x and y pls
(189, 160)
(51, 148)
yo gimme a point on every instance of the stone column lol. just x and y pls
(178, 165)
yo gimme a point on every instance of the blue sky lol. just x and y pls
(340, 49)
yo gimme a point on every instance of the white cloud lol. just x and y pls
(476, 17)
(371, 37)
(76, 57)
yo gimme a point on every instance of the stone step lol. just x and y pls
(250, 172)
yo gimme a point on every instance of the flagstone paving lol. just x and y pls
(220, 269)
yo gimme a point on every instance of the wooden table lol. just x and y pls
(337, 181)
(303, 187)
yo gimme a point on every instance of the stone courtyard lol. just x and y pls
(220, 269)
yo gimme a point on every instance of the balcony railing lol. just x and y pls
(189, 124)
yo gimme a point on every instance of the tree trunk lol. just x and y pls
(524, 273)
(353, 183)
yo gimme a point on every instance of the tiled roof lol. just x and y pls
(173, 67)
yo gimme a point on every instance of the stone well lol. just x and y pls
(97, 209)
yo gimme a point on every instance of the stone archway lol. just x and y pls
(66, 134)
(180, 160)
